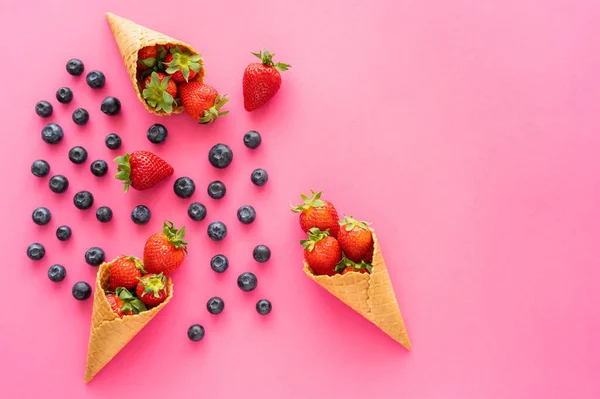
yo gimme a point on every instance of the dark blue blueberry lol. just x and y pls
(64, 95)
(261, 253)
(259, 177)
(113, 141)
(220, 156)
(196, 211)
(78, 155)
(52, 133)
(36, 251)
(99, 168)
(57, 273)
(75, 67)
(252, 139)
(95, 79)
(219, 263)
(63, 233)
(58, 184)
(94, 256)
(184, 187)
(110, 106)
(263, 307)
(40, 168)
(41, 216)
(157, 133)
(104, 214)
(83, 200)
(43, 109)
(216, 190)
(247, 281)
(81, 116)
(196, 332)
(141, 214)
(215, 305)
(217, 231)
(246, 214)
(81, 291)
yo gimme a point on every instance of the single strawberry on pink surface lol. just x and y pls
(142, 170)
(261, 80)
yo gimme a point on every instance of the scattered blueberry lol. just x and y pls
(216, 190)
(83, 200)
(52, 133)
(184, 187)
(58, 184)
(81, 291)
(196, 211)
(215, 305)
(63, 233)
(263, 307)
(247, 281)
(252, 139)
(196, 332)
(104, 214)
(141, 214)
(57, 273)
(217, 231)
(40, 168)
(113, 141)
(94, 256)
(157, 133)
(99, 168)
(220, 156)
(75, 67)
(219, 263)
(43, 109)
(81, 116)
(261, 253)
(110, 106)
(64, 95)
(41, 216)
(246, 214)
(78, 155)
(36, 251)
(259, 177)
(95, 79)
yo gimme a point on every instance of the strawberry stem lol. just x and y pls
(123, 171)
(214, 112)
(175, 236)
(314, 201)
(266, 57)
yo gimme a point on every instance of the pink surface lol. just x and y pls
(465, 131)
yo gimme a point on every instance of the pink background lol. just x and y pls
(465, 131)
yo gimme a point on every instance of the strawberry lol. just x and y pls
(124, 272)
(147, 57)
(262, 80)
(116, 304)
(315, 212)
(347, 266)
(152, 289)
(182, 65)
(164, 252)
(142, 170)
(123, 303)
(321, 251)
(202, 102)
(355, 239)
(160, 92)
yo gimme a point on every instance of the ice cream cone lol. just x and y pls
(109, 333)
(371, 295)
(131, 38)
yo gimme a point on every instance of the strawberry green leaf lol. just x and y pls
(350, 223)
(266, 57)
(123, 171)
(184, 61)
(156, 95)
(214, 112)
(148, 62)
(175, 237)
(313, 201)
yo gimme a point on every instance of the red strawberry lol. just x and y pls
(315, 212)
(123, 303)
(124, 272)
(347, 266)
(202, 102)
(182, 65)
(355, 239)
(164, 252)
(160, 92)
(321, 251)
(152, 289)
(147, 57)
(142, 170)
(116, 304)
(262, 80)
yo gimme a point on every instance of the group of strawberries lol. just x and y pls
(136, 285)
(333, 246)
(167, 74)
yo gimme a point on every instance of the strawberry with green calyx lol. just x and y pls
(321, 251)
(182, 64)
(152, 289)
(130, 302)
(124, 272)
(315, 212)
(142, 170)
(116, 304)
(202, 102)
(147, 57)
(346, 266)
(262, 80)
(160, 92)
(164, 252)
(355, 239)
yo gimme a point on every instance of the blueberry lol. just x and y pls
(63, 233)
(220, 156)
(52, 133)
(81, 116)
(83, 200)
(78, 155)
(113, 141)
(157, 133)
(41, 216)
(246, 214)
(36, 251)
(196, 211)
(263, 307)
(43, 109)
(95, 79)
(261, 253)
(196, 332)
(110, 106)
(216, 190)
(217, 231)
(58, 184)
(252, 139)
(99, 168)
(57, 273)
(141, 214)
(219, 263)
(94, 256)
(81, 291)
(259, 177)
(247, 281)
(184, 187)
(215, 305)
(75, 67)
(64, 95)
(104, 214)
(40, 168)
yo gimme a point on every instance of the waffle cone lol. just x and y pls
(109, 333)
(131, 38)
(371, 295)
